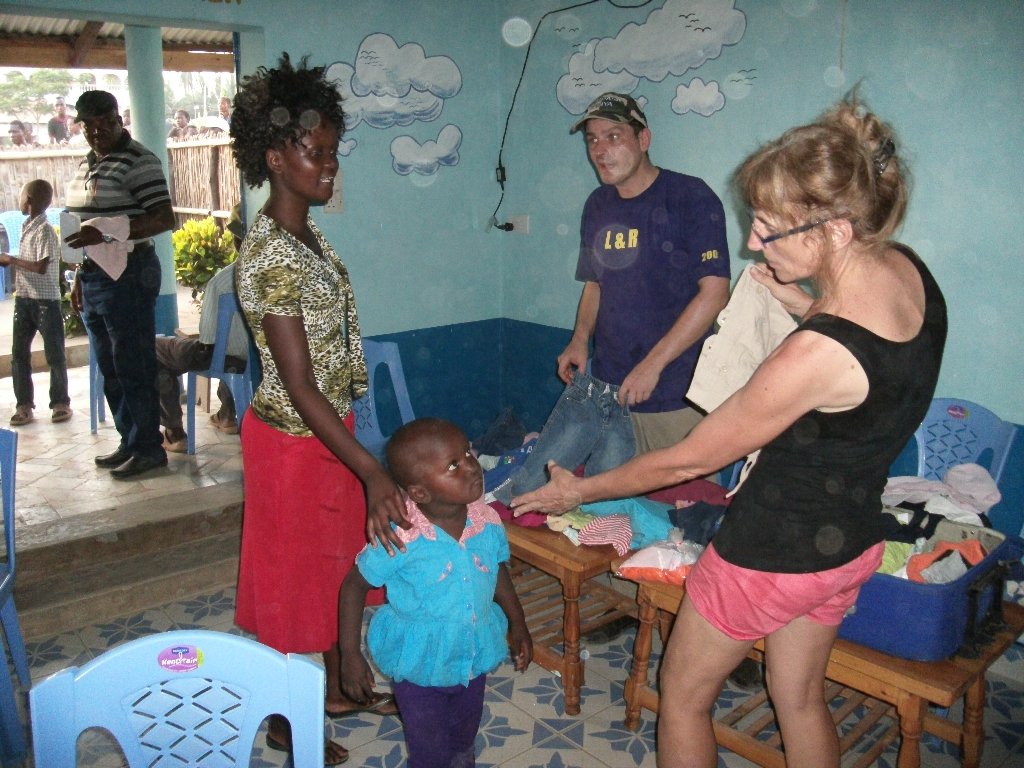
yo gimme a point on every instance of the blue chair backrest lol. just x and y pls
(241, 383)
(369, 431)
(53, 216)
(8, 468)
(956, 431)
(961, 432)
(186, 697)
(227, 310)
(12, 222)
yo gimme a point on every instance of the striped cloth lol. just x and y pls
(609, 529)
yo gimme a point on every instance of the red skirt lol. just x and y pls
(303, 524)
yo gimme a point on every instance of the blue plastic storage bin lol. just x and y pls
(925, 622)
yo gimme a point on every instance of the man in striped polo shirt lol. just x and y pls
(120, 194)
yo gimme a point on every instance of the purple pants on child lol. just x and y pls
(441, 723)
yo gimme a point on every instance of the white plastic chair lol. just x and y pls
(186, 697)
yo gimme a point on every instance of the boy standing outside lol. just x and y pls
(37, 307)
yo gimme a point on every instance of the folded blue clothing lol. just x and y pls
(698, 522)
(649, 519)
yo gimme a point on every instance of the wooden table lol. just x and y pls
(554, 580)
(909, 686)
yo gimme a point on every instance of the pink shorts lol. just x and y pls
(748, 605)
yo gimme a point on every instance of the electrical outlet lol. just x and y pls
(520, 224)
(337, 202)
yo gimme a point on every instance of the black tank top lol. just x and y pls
(813, 499)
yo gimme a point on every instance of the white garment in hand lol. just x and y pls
(750, 327)
(111, 257)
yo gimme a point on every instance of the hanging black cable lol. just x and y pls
(499, 172)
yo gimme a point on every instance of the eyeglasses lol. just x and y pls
(779, 235)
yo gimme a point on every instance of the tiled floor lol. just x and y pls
(524, 723)
(61, 494)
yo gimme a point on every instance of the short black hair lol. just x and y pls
(403, 449)
(273, 107)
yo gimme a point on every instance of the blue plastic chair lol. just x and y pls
(186, 697)
(53, 216)
(240, 382)
(958, 431)
(12, 738)
(367, 408)
(12, 222)
(97, 401)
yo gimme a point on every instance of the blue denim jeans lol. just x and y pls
(587, 426)
(44, 316)
(120, 318)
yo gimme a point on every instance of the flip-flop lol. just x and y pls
(382, 704)
(280, 746)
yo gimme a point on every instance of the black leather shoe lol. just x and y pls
(115, 459)
(136, 465)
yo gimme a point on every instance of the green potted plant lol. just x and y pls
(201, 248)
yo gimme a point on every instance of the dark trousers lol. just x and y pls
(120, 318)
(441, 724)
(44, 316)
(176, 356)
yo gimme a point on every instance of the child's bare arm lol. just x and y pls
(39, 267)
(520, 642)
(356, 676)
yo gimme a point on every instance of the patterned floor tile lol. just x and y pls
(524, 723)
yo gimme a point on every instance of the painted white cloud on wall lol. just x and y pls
(347, 146)
(680, 36)
(583, 83)
(697, 96)
(394, 85)
(385, 69)
(409, 156)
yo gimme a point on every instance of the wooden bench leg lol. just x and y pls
(974, 728)
(637, 681)
(572, 669)
(911, 711)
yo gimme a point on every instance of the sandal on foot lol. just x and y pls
(381, 704)
(280, 746)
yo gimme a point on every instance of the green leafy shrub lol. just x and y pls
(201, 249)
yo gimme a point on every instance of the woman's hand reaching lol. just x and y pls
(561, 494)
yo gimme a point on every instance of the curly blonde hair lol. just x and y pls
(842, 166)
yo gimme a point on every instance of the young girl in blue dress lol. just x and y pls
(452, 613)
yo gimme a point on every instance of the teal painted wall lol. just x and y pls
(947, 74)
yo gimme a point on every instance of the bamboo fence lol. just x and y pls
(202, 175)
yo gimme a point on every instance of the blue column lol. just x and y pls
(144, 52)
